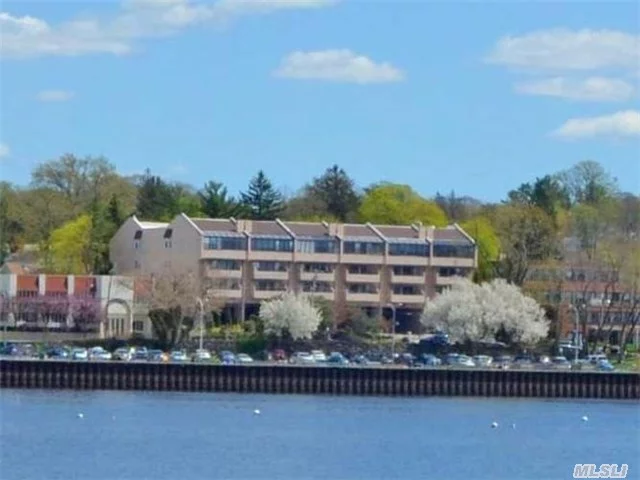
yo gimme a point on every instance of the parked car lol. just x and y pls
(318, 356)
(227, 357)
(201, 356)
(79, 354)
(279, 355)
(178, 356)
(605, 366)
(244, 358)
(123, 354)
(483, 361)
(560, 362)
(596, 358)
(429, 360)
(502, 361)
(99, 353)
(140, 353)
(302, 358)
(157, 356)
(465, 361)
(337, 358)
(57, 353)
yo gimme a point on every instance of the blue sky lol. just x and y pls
(471, 97)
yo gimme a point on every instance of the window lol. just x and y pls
(324, 287)
(226, 264)
(369, 288)
(451, 250)
(317, 246)
(224, 243)
(136, 244)
(271, 285)
(270, 266)
(364, 248)
(138, 326)
(227, 284)
(409, 249)
(407, 290)
(318, 267)
(408, 271)
(167, 244)
(364, 269)
(272, 244)
(452, 272)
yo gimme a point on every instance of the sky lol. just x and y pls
(475, 97)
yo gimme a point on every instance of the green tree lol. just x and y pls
(547, 193)
(70, 251)
(156, 199)
(215, 202)
(114, 211)
(527, 235)
(588, 182)
(11, 228)
(457, 208)
(488, 247)
(390, 203)
(336, 191)
(262, 200)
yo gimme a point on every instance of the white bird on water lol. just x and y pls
(494, 425)
(256, 412)
(513, 425)
(585, 418)
(81, 415)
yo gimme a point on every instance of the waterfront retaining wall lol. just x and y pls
(316, 380)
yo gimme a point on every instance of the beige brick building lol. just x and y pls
(360, 265)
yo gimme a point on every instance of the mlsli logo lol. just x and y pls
(606, 470)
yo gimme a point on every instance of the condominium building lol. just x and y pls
(359, 265)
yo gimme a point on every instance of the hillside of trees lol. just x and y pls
(73, 206)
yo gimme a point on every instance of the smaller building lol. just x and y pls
(71, 306)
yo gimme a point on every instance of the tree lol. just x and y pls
(547, 193)
(173, 300)
(70, 248)
(156, 199)
(114, 212)
(396, 204)
(11, 229)
(337, 192)
(527, 234)
(305, 207)
(215, 202)
(290, 314)
(473, 313)
(456, 208)
(588, 182)
(481, 230)
(262, 200)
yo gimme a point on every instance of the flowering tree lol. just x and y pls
(472, 313)
(290, 313)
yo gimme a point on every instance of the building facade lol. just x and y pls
(353, 265)
(71, 306)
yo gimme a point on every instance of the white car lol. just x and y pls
(178, 356)
(318, 356)
(123, 354)
(202, 356)
(79, 354)
(302, 358)
(99, 353)
(243, 358)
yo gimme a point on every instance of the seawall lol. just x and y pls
(316, 380)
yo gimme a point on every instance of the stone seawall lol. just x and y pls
(316, 380)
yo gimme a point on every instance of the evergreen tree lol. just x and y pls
(114, 212)
(262, 200)
(215, 202)
(338, 193)
(156, 198)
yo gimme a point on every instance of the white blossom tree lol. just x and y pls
(472, 313)
(290, 313)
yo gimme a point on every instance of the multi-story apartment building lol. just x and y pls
(63, 307)
(360, 265)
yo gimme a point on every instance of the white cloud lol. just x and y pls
(563, 49)
(54, 95)
(26, 36)
(619, 124)
(4, 150)
(593, 89)
(337, 66)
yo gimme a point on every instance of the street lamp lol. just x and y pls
(201, 320)
(576, 311)
(393, 330)
(5, 320)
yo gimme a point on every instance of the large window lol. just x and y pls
(272, 244)
(224, 243)
(363, 269)
(323, 287)
(270, 285)
(409, 249)
(408, 270)
(369, 288)
(270, 266)
(317, 246)
(318, 267)
(224, 264)
(452, 250)
(363, 248)
(452, 272)
(407, 290)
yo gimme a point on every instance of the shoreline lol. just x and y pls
(327, 380)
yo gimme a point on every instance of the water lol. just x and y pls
(183, 436)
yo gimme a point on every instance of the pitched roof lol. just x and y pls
(267, 227)
(215, 224)
(152, 225)
(397, 231)
(355, 230)
(450, 234)
(307, 229)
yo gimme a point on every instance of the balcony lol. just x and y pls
(266, 294)
(363, 277)
(453, 262)
(317, 276)
(223, 274)
(417, 298)
(270, 275)
(326, 295)
(228, 293)
(223, 254)
(269, 256)
(363, 297)
(407, 279)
